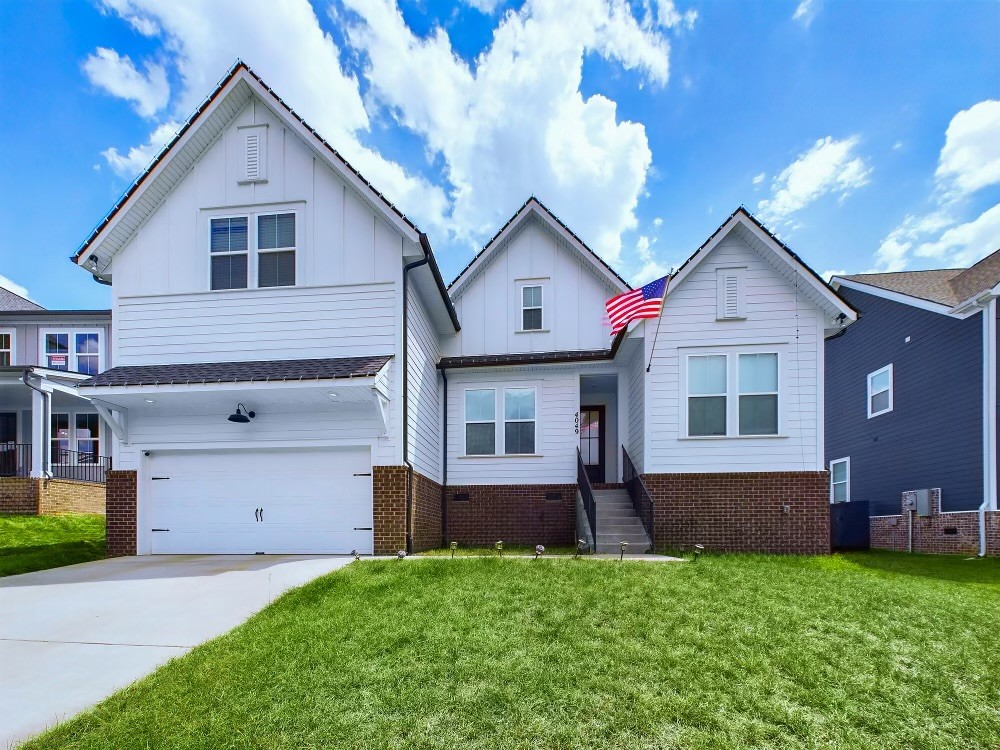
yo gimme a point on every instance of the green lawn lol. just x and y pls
(30, 543)
(854, 651)
(508, 551)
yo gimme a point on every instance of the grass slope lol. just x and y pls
(854, 651)
(30, 543)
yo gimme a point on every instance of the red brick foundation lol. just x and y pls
(778, 512)
(515, 514)
(389, 484)
(940, 533)
(120, 518)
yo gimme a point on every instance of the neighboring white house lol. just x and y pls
(254, 272)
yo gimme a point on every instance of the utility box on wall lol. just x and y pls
(919, 501)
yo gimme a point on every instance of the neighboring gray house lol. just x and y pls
(51, 431)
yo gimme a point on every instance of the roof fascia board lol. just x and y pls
(107, 391)
(533, 208)
(905, 299)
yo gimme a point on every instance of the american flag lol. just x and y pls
(639, 303)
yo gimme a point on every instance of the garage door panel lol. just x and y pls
(312, 501)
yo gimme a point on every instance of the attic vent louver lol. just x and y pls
(730, 288)
(254, 153)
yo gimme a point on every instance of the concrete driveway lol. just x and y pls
(72, 636)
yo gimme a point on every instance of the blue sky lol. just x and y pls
(867, 134)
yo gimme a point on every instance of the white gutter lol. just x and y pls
(989, 502)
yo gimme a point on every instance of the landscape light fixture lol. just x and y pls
(401, 554)
(624, 546)
(241, 417)
(454, 546)
(539, 551)
(581, 545)
(499, 548)
(357, 555)
(698, 549)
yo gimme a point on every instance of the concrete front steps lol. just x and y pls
(618, 522)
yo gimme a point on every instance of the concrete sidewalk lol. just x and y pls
(72, 636)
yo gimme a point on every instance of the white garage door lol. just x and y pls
(271, 501)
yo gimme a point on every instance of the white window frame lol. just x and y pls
(534, 421)
(12, 332)
(74, 445)
(732, 390)
(251, 215)
(847, 481)
(265, 251)
(519, 286)
(872, 376)
(71, 363)
(466, 421)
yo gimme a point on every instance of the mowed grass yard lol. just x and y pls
(851, 651)
(30, 543)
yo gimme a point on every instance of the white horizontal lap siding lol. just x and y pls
(572, 299)
(557, 401)
(292, 323)
(424, 398)
(775, 314)
(339, 424)
(635, 382)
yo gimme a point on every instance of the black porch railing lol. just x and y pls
(83, 466)
(15, 460)
(587, 493)
(641, 500)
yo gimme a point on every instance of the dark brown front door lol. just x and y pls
(592, 441)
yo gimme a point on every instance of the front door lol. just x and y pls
(592, 441)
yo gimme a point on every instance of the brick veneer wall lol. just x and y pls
(120, 515)
(19, 496)
(58, 496)
(892, 532)
(516, 514)
(742, 512)
(426, 520)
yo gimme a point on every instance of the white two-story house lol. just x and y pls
(291, 373)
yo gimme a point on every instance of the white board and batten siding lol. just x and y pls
(777, 318)
(489, 305)
(424, 385)
(348, 264)
(634, 374)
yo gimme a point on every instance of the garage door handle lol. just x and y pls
(363, 528)
(364, 475)
(159, 529)
(157, 478)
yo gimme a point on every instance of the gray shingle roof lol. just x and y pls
(240, 372)
(10, 302)
(946, 286)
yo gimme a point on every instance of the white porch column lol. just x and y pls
(38, 441)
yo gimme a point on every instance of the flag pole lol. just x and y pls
(663, 302)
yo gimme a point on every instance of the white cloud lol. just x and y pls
(829, 167)
(13, 286)
(897, 145)
(138, 157)
(484, 6)
(657, 222)
(757, 180)
(514, 122)
(148, 92)
(650, 267)
(805, 12)
(827, 275)
(143, 24)
(970, 159)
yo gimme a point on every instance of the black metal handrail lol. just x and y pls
(83, 466)
(641, 499)
(587, 493)
(15, 460)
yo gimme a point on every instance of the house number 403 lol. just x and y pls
(576, 423)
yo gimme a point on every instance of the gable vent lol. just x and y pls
(254, 153)
(730, 283)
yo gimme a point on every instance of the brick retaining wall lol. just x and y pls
(59, 496)
(940, 533)
(19, 496)
(516, 514)
(782, 512)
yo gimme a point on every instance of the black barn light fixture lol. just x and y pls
(241, 417)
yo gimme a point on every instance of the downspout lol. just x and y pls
(444, 464)
(44, 470)
(989, 416)
(406, 432)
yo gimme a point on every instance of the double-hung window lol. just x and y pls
(77, 351)
(6, 348)
(75, 434)
(531, 307)
(228, 247)
(732, 395)
(880, 392)
(480, 422)
(840, 480)
(276, 250)
(519, 421)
